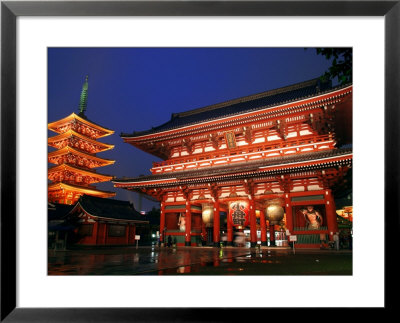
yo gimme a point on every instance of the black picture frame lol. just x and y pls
(10, 10)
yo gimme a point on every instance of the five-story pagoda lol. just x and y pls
(75, 157)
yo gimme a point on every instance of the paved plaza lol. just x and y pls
(199, 261)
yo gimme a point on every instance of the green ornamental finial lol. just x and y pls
(83, 99)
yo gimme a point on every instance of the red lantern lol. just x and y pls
(239, 213)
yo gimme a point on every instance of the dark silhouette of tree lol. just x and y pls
(342, 64)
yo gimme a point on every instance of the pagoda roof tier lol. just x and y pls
(80, 189)
(233, 108)
(59, 125)
(66, 167)
(109, 209)
(266, 167)
(73, 134)
(69, 150)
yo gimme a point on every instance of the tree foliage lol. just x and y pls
(342, 64)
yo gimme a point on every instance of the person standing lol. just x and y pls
(169, 241)
(336, 240)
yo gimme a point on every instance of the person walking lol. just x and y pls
(169, 241)
(336, 240)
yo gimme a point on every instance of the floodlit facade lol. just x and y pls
(265, 167)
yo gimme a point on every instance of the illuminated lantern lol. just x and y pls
(258, 213)
(207, 214)
(274, 213)
(239, 213)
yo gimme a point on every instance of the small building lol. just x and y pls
(103, 222)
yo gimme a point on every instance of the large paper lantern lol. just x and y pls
(207, 214)
(274, 213)
(239, 213)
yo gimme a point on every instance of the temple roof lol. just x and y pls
(82, 118)
(75, 151)
(72, 133)
(109, 208)
(250, 103)
(58, 211)
(79, 170)
(81, 189)
(235, 170)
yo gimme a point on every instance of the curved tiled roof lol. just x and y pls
(71, 133)
(82, 118)
(109, 208)
(82, 189)
(245, 104)
(58, 211)
(85, 171)
(76, 151)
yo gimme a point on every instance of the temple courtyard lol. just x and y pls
(153, 260)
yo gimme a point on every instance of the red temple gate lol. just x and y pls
(266, 162)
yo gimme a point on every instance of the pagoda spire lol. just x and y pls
(83, 99)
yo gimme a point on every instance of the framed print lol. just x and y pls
(29, 28)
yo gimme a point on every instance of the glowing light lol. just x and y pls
(207, 214)
(239, 213)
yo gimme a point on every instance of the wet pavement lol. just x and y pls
(199, 261)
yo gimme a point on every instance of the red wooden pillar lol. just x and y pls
(330, 214)
(188, 224)
(216, 224)
(289, 213)
(162, 223)
(263, 228)
(253, 223)
(229, 226)
(271, 235)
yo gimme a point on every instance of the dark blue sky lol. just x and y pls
(133, 89)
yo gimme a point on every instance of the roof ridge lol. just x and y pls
(195, 116)
(106, 200)
(283, 89)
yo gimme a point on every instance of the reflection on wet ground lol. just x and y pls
(198, 261)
